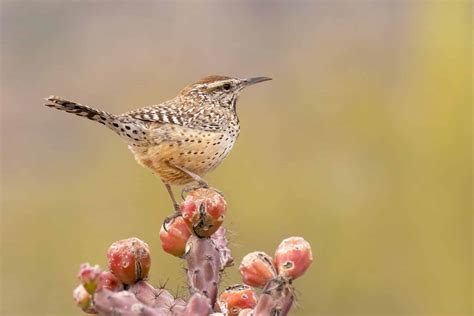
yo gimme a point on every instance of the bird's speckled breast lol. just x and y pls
(195, 150)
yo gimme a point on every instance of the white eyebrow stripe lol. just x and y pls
(219, 83)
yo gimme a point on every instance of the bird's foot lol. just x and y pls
(170, 218)
(192, 187)
(199, 185)
(217, 191)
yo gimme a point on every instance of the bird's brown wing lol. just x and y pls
(176, 112)
(163, 113)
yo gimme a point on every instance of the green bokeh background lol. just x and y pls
(361, 144)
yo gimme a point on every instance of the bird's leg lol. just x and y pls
(177, 211)
(170, 192)
(200, 181)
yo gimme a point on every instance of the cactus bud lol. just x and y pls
(257, 269)
(197, 305)
(203, 210)
(83, 299)
(236, 298)
(129, 260)
(292, 257)
(109, 281)
(174, 237)
(88, 275)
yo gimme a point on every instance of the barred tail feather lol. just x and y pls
(130, 129)
(79, 109)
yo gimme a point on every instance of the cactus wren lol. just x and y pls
(180, 139)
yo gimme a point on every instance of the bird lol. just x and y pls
(181, 139)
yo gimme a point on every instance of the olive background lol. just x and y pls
(361, 144)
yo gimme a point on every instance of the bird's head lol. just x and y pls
(221, 90)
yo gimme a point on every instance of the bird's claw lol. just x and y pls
(203, 185)
(170, 218)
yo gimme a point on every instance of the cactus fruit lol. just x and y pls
(174, 237)
(236, 298)
(257, 268)
(129, 260)
(293, 257)
(203, 210)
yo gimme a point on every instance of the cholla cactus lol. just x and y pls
(199, 239)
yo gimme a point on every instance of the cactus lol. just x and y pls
(111, 303)
(220, 241)
(277, 297)
(199, 239)
(204, 265)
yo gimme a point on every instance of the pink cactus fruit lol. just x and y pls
(293, 257)
(174, 237)
(236, 298)
(129, 260)
(257, 268)
(203, 210)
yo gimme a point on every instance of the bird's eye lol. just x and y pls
(226, 86)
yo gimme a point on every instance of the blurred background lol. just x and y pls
(360, 144)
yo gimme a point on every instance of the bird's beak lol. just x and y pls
(251, 81)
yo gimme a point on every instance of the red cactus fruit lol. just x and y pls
(257, 268)
(236, 298)
(174, 237)
(203, 210)
(107, 280)
(83, 299)
(129, 260)
(293, 257)
(88, 275)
